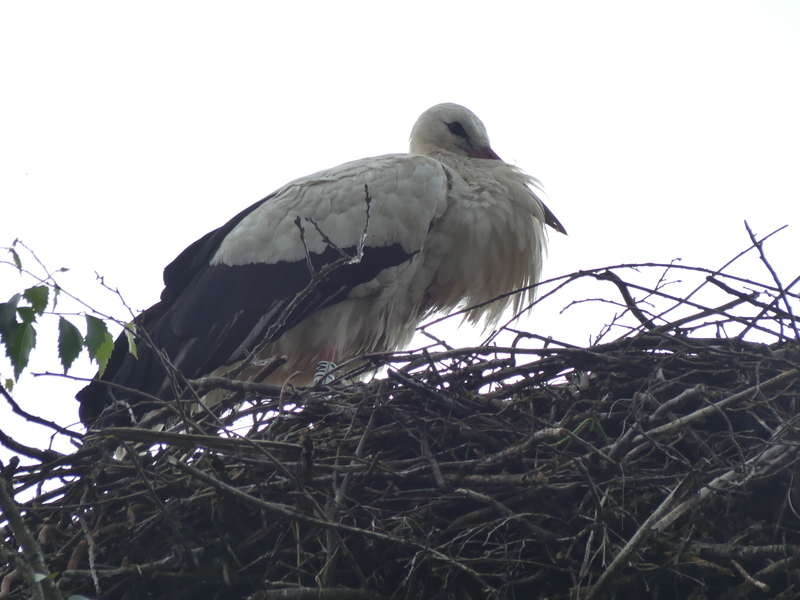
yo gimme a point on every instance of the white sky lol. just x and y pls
(127, 131)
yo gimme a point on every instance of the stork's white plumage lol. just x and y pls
(448, 225)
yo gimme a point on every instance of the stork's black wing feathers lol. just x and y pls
(207, 312)
(177, 276)
(180, 272)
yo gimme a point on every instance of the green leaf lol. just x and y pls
(70, 343)
(56, 292)
(27, 313)
(37, 296)
(104, 354)
(99, 342)
(130, 335)
(8, 318)
(96, 332)
(15, 258)
(37, 577)
(8, 384)
(20, 348)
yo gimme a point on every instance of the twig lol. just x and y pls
(133, 434)
(640, 536)
(702, 413)
(315, 594)
(283, 510)
(34, 567)
(748, 578)
(626, 295)
(15, 446)
(736, 476)
(781, 291)
(92, 553)
(34, 419)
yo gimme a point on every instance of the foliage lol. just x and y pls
(19, 318)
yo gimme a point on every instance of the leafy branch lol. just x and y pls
(19, 319)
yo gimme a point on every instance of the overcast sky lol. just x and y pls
(127, 131)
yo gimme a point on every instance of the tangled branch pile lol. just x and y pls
(661, 464)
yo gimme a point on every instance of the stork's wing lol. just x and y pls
(235, 285)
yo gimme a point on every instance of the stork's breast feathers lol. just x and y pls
(489, 242)
(408, 193)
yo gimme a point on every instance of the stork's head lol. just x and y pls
(450, 128)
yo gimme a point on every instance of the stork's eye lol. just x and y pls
(457, 129)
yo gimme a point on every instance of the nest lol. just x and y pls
(659, 464)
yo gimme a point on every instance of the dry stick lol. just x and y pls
(176, 530)
(92, 552)
(780, 566)
(567, 279)
(34, 419)
(733, 550)
(133, 434)
(175, 377)
(687, 394)
(625, 440)
(752, 299)
(781, 291)
(333, 535)
(414, 360)
(702, 413)
(748, 578)
(511, 452)
(774, 454)
(705, 313)
(640, 536)
(178, 406)
(357, 457)
(205, 384)
(34, 567)
(760, 316)
(284, 510)
(536, 531)
(685, 302)
(147, 435)
(138, 394)
(626, 295)
(15, 446)
(420, 387)
(720, 270)
(137, 570)
(426, 451)
(302, 593)
(351, 559)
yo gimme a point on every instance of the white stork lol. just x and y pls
(448, 225)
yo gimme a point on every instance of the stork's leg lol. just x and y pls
(323, 374)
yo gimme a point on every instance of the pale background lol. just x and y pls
(127, 131)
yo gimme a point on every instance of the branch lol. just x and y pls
(34, 419)
(34, 567)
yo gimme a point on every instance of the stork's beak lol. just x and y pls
(551, 220)
(485, 152)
